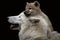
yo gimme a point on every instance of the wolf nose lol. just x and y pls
(8, 17)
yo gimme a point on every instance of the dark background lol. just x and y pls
(14, 7)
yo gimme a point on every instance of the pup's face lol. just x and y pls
(32, 8)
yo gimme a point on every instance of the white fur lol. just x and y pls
(44, 22)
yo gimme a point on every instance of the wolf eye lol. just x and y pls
(19, 16)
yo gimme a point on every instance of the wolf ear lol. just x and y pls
(36, 3)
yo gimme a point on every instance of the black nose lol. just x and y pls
(27, 13)
(7, 17)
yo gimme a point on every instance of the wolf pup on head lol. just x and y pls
(33, 9)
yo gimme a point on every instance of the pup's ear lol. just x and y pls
(36, 3)
(27, 3)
